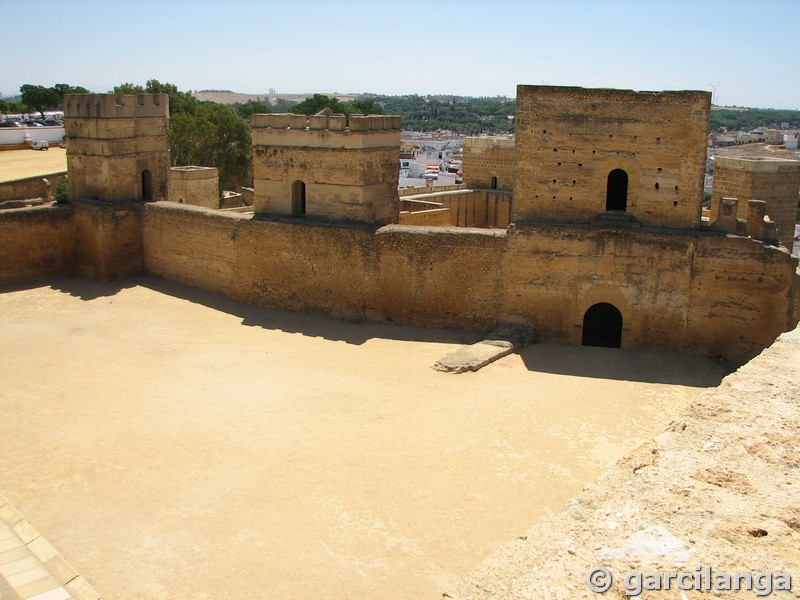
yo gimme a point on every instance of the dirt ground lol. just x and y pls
(19, 164)
(173, 443)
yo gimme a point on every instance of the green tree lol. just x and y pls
(39, 97)
(311, 106)
(213, 136)
(247, 109)
(363, 107)
(63, 88)
(206, 134)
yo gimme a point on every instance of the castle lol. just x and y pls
(606, 244)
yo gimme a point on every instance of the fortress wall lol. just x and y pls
(723, 295)
(487, 157)
(36, 242)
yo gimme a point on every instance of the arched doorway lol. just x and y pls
(602, 326)
(617, 190)
(298, 199)
(494, 183)
(147, 185)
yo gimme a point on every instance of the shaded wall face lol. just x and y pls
(568, 141)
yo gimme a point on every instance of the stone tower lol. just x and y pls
(117, 158)
(319, 168)
(117, 146)
(587, 153)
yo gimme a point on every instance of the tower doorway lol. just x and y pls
(602, 326)
(147, 185)
(617, 190)
(298, 199)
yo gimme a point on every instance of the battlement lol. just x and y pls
(113, 106)
(489, 141)
(758, 164)
(359, 123)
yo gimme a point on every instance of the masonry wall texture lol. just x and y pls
(569, 140)
(489, 162)
(775, 181)
(36, 242)
(720, 294)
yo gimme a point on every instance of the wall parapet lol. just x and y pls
(114, 106)
(336, 122)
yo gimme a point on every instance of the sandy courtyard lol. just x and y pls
(172, 443)
(19, 164)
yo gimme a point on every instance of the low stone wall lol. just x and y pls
(41, 186)
(36, 242)
(434, 217)
(717, 490)
(469, 207)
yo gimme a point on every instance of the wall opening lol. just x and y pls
(602, 326)
(147, 185)
(494, 183)
(298, 199)
(617, 190)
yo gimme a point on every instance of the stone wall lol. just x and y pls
(468, 207)
(41, 186)
(723, 295)
(431, 217)
(489, 162)
(198, 186)
(570, 140)
(775, 181)
(36, 242)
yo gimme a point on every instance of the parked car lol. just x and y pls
(40, 145)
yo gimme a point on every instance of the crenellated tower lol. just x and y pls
(117, 146)
(320, 168)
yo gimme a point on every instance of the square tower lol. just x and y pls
(319, 168)
(117, 146)
(776, 181)
(585, 152)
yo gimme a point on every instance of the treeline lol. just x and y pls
(462, 114)
(750, 118)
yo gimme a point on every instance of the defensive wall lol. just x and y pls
(721, 294)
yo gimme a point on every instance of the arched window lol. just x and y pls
(494, 183)
(147, 185)
(617, 190)
(602, 326)
(298, 199)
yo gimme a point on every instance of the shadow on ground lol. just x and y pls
(654, 366)
(676, 367)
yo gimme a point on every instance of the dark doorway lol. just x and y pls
(617, 190)
(147, 185)
(602, 326)
(298, 199)
(494, 183)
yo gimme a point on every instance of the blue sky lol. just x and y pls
(745, 52)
